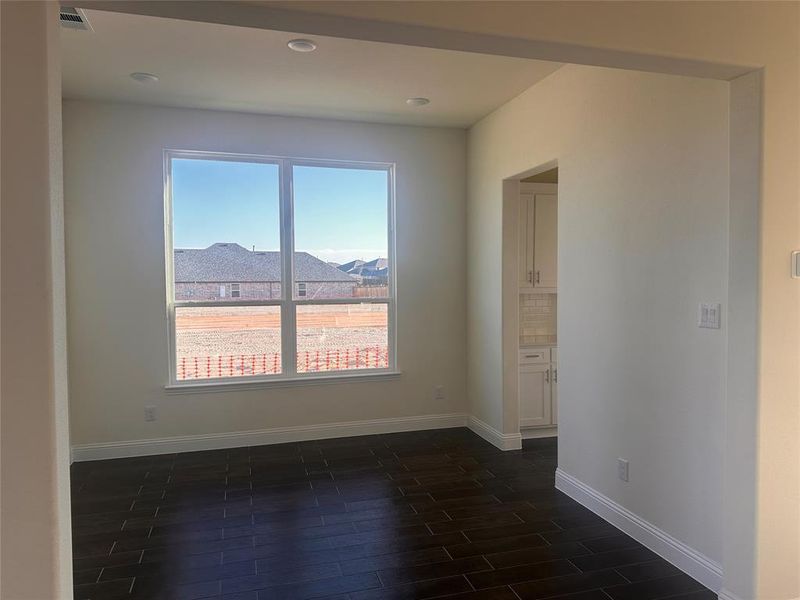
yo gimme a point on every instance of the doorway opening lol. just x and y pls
(531, 301)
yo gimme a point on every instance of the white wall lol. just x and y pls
(115, 266)
(643, 237)
(741, 414)
(36, 539)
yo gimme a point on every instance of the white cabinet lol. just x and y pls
(538, 241)
(545, 241)
(554, 391)
(527, 212)
(534, 395)
(537, 388)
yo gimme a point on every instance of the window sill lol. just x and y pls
(286, 382)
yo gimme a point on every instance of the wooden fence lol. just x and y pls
(371, 291)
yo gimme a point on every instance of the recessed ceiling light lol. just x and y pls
(418, 101)
(144, 77)
(302, 45)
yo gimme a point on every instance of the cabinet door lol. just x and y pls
(525, 258)
(534, 395)
(554, 392)
(545, 239)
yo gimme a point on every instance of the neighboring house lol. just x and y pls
(228, 271)
(373, 272)
(349, 266)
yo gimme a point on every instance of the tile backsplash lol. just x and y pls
(537, 319)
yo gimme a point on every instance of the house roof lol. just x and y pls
(230, 262)
(377, 266)
(378, 263)
(349, 266)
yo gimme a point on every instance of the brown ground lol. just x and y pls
(305, 320)
(214, 342)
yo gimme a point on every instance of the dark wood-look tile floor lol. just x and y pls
(400, 516)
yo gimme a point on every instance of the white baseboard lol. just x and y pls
(687, 559)
(535, 433)
(278, 435)
(726, 595)
(504, 441)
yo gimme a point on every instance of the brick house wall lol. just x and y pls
(330, 289)
(261, 290)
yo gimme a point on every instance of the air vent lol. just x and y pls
(74, 18)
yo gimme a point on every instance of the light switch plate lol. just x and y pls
(796, 264)
(709, 315)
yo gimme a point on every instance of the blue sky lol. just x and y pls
(340, 214)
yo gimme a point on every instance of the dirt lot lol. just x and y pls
(268, 317)
(224, 342)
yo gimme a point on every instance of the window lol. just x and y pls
(278, 268)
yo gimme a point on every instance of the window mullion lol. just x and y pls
(288, 314)
(391, 282)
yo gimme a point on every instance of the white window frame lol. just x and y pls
(236, 290)
(302, 289)
(288, 302)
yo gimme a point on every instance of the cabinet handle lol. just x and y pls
(537, 276)
(555, 375)
(530, 276)
(547, 376)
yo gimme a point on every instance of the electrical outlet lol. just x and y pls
(438, 392)
(622, 469)
(150, 413)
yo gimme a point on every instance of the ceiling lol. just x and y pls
(550, 176)
(205, 65)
